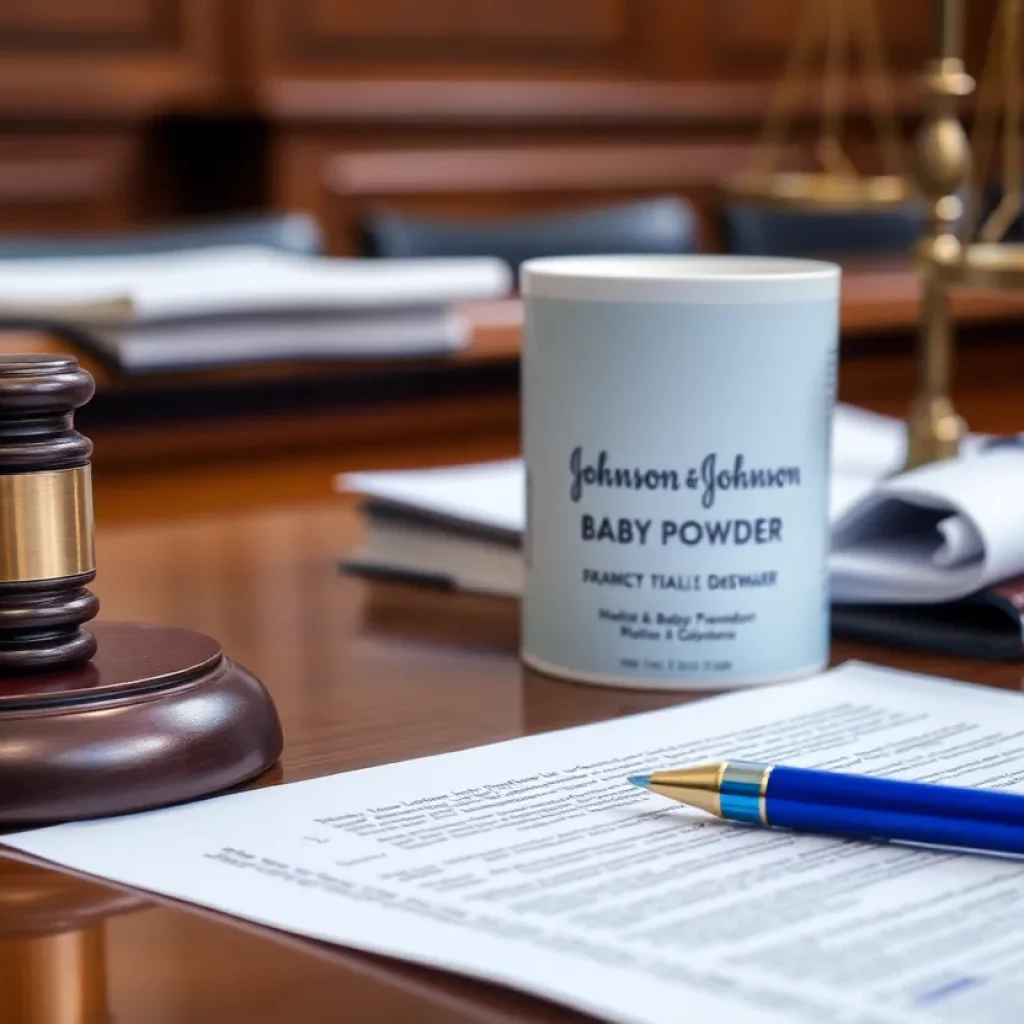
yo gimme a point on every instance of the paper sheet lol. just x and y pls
(245, 279)
(188, 344)
(938, 533)
(533, 863)
(490, 494)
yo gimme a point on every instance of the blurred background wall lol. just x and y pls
(122, 113)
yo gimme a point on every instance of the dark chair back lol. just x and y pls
(288, 232)
(663, 225)
(753, 230)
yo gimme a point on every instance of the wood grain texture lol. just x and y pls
(759, 33)
(459, 31)
(107, 80)
(125, 58)
(68, 181)
(104, 24)
(521, 89)
(547, 42)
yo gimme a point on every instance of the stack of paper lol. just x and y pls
(233, 305)
(907, 541)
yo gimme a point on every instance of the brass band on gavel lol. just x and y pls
(46, 529)
(47, 552)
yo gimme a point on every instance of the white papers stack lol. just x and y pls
(245, 304)
(533, 863)
(932, 535)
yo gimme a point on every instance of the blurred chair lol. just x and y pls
(753, 230)
(287, 232)
(662, 225)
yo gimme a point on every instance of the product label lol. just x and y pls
(678, 463)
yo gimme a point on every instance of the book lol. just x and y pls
(929, 558)
(237, 304)
(533, 863)
(204, 343)
(987, 624)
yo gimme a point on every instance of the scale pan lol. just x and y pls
(822, 191)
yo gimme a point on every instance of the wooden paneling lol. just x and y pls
(503, 181)
(111, 57)
(80, 83)
(479, 107)
(344, 39)
(460, 31)
(108, 25)
(752, 36)
(341, 60)
(339, 79)
(65, 183)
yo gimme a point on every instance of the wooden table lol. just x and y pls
(361, 675)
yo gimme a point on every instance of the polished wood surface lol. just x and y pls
(46, 551)
(362, 675)
(157, 716)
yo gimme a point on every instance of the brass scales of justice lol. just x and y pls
(958, 247)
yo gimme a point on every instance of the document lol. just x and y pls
(238, 280)
(489, 495)
(534, 864)
(188, 344)
(937, 533)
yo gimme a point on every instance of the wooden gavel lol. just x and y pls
(124, 716)
(47, 555)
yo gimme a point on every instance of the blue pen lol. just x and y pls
(851, 806)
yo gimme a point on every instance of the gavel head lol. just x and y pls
(46, 524)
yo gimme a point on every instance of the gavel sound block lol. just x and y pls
(120, 716)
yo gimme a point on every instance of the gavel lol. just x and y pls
(123, 716)
(47, 554)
